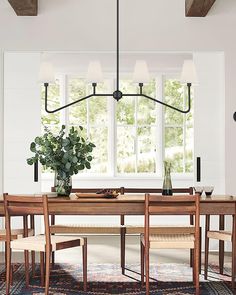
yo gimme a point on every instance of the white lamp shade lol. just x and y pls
(94, 74)
(141, 73)
(46, 73)
(189, 74)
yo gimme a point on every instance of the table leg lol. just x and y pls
(221, 244)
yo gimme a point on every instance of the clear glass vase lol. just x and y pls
(167, 184)
(62, 186)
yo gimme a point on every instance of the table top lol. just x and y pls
(129, 204)
(127, 198)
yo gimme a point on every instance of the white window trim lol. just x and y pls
(112, 134)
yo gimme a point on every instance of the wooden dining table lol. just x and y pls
(128, 205)
(133, 204)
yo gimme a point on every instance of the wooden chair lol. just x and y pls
(45, 244)
(99, 229)
(121, 228)
(177, 205)
(139, 229)
(222, 236)
(17, 233)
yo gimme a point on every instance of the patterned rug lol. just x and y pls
(106, 279)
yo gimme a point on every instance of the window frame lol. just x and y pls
(112, 132)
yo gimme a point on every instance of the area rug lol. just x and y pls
(103, 279)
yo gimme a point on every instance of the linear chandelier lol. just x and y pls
(141, 76)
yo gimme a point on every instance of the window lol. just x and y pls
(178, 128)
(133, 136)
(137, 131)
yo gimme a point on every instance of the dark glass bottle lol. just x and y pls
(167, 184)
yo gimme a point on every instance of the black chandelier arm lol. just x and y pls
(46, 85)
(170, 106)
(65, 106)
(163, 103)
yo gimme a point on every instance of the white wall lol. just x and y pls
(209, 119)
(21, 120)
(21, 123)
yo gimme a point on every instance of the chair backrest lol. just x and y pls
(172, 205)
(25, 206)
(188, 190)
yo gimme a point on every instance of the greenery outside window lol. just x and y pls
(133, 136)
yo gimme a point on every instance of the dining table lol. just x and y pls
(130, 204)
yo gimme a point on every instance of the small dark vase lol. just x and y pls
(63, 186)
(167, 184)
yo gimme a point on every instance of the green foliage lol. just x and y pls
(65, 154)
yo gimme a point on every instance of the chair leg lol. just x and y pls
(233, 267)
(26, 253)
(194, 269)
(53, 259)
(146, 251)
(191, 250)
(42, 268)
(53, 253)
(8, 270)
(33, 263)
(200, 251)
(206, 258)
(84, 249)
(122, 249)
(221, 256)
(207, 226)
(234, 251)
(11, 275)
(142, 262)
(32, 226)
(5, 255)
(47, 271)
(196, 266)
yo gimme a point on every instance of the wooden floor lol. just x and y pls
(106, 249)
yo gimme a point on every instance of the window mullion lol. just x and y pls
(112, 133)
(184, 131)
(161, 125)
(136, 134)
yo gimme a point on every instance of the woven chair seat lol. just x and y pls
(170, 241)
(161, 229)
(220, 235)
(86, 228)
(15, 234)
(38, 243)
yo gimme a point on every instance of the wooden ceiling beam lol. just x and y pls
(198, 8)
(25, 7)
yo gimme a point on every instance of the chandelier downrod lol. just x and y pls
(117, 94)
(118, 46)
